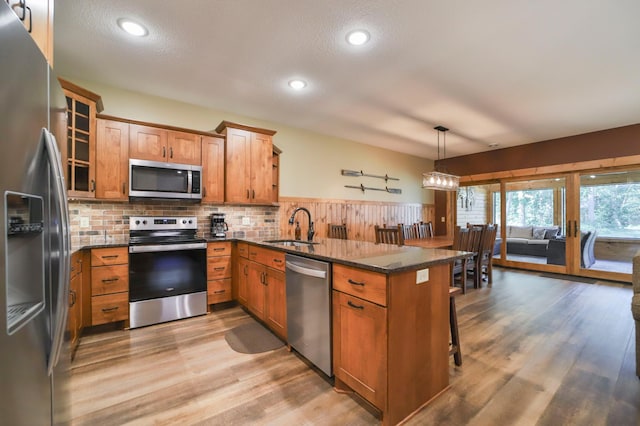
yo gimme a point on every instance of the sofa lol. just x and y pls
(635, 306)
(556, 250)
(530, 240)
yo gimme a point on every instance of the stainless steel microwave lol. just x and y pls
(154, 179)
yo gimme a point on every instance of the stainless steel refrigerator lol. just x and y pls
(34, 235)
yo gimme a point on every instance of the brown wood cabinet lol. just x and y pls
(109, 285)
(212, 169)
(249, 164)
(75, 324)
(390, 337)
(359, 346)
(265, 288)
(241, 272)
(276, 302)
(275, 178)
(158, 144)
(82, 107)
(37, 18)
(219, 272)
(112, 155)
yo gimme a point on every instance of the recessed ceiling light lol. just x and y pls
(132, 27)
(493, 145)
(297, 84)
(358, 37)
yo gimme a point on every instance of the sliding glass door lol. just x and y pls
(534, 217)
(578, 223)
(608, 222)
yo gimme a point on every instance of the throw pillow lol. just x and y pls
(550, 233)
(520, 232)
(538, 233)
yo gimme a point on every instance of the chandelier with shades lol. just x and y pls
(439, 179)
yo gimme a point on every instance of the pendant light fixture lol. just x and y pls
(439, 179)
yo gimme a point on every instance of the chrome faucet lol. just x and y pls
(311, 231)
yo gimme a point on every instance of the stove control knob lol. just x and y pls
(144, 222)
(190, 221)
(184, 221)
(137, 222)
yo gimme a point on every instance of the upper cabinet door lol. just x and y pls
(261, 169)
(212, 169)
(37, 18)
(81, 134)
(112, 154)
(238, 166)
(147, 143)
(249, 164)
(184, 148)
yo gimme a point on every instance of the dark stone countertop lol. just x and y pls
(384, 258)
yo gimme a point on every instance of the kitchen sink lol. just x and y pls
(291, 243)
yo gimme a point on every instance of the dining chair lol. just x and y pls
(485, 254)
(337, 231)
(408, 231)
(460, 242)
(423, 230)
(473, 245)
(389, 235)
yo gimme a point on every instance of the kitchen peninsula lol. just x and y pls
(390, 316)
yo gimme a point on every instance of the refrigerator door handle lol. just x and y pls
(62, 309)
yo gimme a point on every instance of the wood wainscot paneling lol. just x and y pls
(359, 216)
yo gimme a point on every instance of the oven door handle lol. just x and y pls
(166, 247)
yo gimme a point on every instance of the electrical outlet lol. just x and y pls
(84, 222)
(442, 219)
(246, 221)
(422, 276)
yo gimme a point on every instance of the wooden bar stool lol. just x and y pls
(453, 324)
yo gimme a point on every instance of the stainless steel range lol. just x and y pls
(167, 270)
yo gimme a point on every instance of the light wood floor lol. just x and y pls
(536, 351)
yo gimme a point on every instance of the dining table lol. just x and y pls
(439, 241)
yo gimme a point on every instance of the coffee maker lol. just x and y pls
(218, 226)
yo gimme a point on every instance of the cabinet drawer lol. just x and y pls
(109, 256)
(109, 308)
(219, 249)
(218, 267)
(273, 259)
(219, 291)
(367, 285)
(243, 250)
(109, 279)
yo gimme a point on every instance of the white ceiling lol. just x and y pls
(508, 72)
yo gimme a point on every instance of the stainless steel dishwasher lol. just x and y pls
(309, 310)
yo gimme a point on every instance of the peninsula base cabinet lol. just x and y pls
(391, 337)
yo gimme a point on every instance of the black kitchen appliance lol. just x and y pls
(219, 227)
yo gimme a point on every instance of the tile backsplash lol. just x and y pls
(102, 222)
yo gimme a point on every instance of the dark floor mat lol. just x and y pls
(252, 338)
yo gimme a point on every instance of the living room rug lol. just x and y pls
(252, 338)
